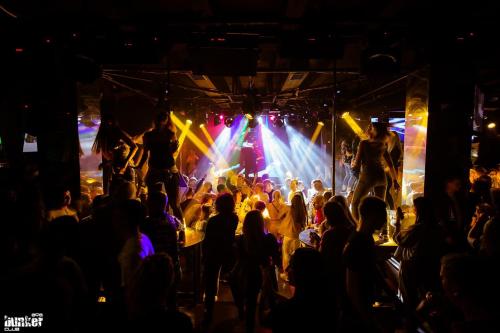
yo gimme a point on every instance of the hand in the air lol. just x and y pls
(396, 186)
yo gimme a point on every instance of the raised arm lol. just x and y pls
(145, 152)
(130, 142)
(356, 163)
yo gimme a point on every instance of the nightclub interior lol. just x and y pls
(250, 166)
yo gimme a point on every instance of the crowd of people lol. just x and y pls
(117, 264)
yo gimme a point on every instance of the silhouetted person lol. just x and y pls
(332, 245)
(369, 161)
(451, 214)
(422, 247)
(160, 145)
(217, 247)
(109, 137)
(151, 289)
(60, 205)
(360, 261)
(484, 212)
(471, 285)
(127, 218)
(306, 311)
(256, 252)
(161, 228)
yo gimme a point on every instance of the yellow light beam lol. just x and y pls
(315, 135)
(213, 145)
(194, 139)
(353, 125)
(207, 135)
(182, 137)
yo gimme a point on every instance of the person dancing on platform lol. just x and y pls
(160, 144)
(116, 146)
(369, 162)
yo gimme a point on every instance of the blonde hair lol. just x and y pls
(277, 195)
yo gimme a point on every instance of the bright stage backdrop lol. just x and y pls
(280, 152)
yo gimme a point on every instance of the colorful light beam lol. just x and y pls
(191, 136)
(353, 125)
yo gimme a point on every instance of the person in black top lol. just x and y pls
(160, 144)
(150, 310)
(395, 151)
(369, 161)
(255, 253)
(217, 247)
(360, 262)
(332, 244)
(422, 245)
(307, 310)
(161, 228)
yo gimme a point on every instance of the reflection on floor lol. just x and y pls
(225, 313)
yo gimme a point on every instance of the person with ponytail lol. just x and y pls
(116, 146)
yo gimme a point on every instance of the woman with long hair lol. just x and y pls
(116, 146)
(277, 212)
(291, 226)
(370, 159)
(160, 145)
(256, 251)
(342, 201)
(347, 155)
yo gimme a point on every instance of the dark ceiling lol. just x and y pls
(285, 53)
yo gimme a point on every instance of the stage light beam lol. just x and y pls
(213, 146)
(182, 137)
(191, 136)
(316, 132)
(353, 125)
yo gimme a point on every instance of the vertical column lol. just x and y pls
(451, 104)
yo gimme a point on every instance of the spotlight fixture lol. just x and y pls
(189, 121)
(320, 123)
(277, 121)
(249, 116)
(202, 125)
(307, 122)
(252, 123)
(217, 119)
(492, 125)
(229, 121)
